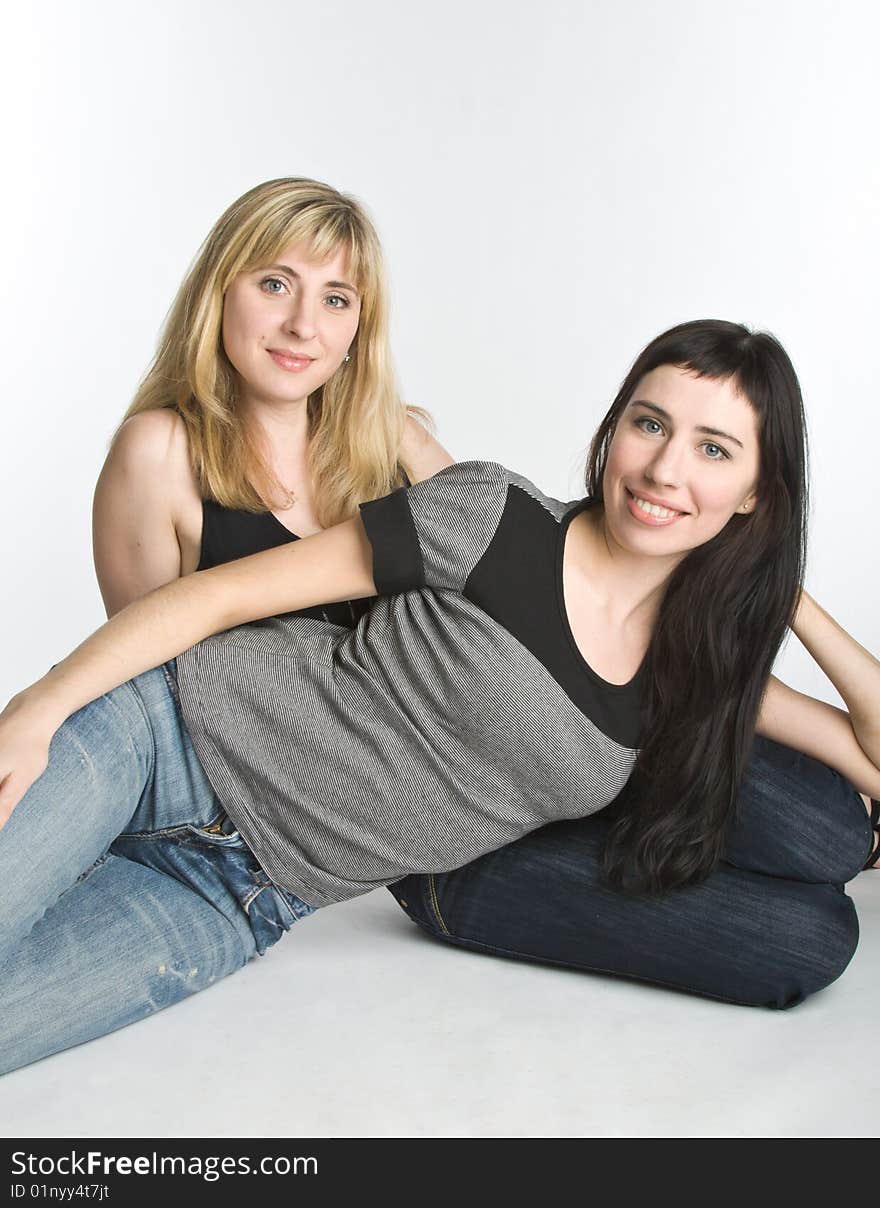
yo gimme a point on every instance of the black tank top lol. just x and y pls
(228, 534)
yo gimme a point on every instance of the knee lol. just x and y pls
(809, 947)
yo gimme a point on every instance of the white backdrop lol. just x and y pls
(554, 185)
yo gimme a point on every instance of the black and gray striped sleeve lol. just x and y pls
(434, 533)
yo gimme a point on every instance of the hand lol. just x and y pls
(24, 751)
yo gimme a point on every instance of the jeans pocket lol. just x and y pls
(416, 895)
(272, 911)
(219, 832)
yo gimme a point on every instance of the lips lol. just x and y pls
(293, 362)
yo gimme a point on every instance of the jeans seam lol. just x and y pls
(434, 904)
(173, 686)
(92, 867)
(144, 712)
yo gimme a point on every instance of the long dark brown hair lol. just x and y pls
(724, 614)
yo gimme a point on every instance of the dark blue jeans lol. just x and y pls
(771, 925)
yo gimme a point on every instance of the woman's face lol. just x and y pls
(288, 326)
(683, 460)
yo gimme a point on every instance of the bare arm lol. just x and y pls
(847, 741)
(332, 565)
(329, 566)
(146, 519)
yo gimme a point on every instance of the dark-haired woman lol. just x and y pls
(538, 679)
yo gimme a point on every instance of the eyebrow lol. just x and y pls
(285, 268)
(641, 402)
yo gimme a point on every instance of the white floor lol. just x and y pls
(357, 1024)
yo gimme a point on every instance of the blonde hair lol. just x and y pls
(355, 420)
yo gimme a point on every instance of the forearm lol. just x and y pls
(853, 671)
(148, 632)
(334, 565)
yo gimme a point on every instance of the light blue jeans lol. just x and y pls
(123, 886)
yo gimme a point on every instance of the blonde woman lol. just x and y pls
(270, 410)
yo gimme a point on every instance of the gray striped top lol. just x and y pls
(423, 738)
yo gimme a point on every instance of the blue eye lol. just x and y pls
(268, 284)
(340, 299)
(653, 427)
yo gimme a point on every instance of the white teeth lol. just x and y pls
(654, 509)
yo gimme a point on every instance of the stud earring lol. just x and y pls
(346, 359)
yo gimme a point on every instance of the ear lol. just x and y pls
(748, 504)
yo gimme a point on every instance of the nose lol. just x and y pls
(301, 318)
(665, 468)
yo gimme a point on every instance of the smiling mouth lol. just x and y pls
(653, 512)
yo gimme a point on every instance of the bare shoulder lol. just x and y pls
(150, 454)
(421, 452)
(151, 439)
